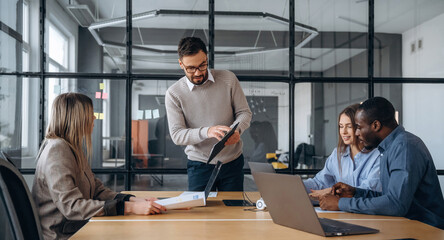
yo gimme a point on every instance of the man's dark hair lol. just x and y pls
(189, 46)
(379, 108)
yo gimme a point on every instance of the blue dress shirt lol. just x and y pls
(410, 186)
(363, 172)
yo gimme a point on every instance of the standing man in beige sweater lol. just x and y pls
(201, 107)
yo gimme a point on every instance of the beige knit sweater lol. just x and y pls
(191, 113)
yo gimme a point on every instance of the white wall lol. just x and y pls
(302, 106)
(423, 110)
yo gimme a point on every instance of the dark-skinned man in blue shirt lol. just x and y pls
(410, 185)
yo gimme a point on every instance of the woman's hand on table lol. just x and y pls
(143, 206)
(139, 199)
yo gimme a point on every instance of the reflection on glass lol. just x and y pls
(19, 130)
(9, 60)
(19, 36)
(268, 131)
(108, 98)
(10, 119)
(317, 106)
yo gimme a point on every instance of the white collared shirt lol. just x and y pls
(192, 85)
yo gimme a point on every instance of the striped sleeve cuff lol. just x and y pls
(123, 197)
(117, 205)
(359, 193)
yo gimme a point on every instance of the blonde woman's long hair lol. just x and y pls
(72, 120)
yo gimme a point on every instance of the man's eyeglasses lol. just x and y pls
(192, 69)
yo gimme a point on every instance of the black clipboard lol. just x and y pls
(221, 144)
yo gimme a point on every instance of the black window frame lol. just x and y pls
(129, 76)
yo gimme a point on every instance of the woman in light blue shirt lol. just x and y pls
(349, 163)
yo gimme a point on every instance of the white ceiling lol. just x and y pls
(391, 16)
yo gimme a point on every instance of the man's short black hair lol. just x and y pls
(189, 46)
(379, 108)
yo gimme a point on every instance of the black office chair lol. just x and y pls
(304, 154)
(20, 208)
(6, 156)
(6, 220)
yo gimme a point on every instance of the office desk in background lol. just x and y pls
(217, 221)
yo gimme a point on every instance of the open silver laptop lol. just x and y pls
(289, 205)
(268, 168)
(212, 179)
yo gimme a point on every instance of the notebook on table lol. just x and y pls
(192, 199)
(290, 206)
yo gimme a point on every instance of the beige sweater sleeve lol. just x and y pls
(60, 174)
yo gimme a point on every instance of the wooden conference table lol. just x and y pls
(217, 221)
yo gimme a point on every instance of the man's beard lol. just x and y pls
(368, 147)
(204, 78)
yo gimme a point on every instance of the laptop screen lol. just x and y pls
(221, 144)
(212, 178)
(261, 167)
(282, 190)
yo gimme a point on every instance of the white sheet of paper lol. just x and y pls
(156, 113)
(148, 114)
(189, 200)
(319, 210)
(212, 194)
(139, 114)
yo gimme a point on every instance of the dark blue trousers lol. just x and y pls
(230, 178)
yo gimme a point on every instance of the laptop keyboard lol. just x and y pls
(333, 226)
(333, 229)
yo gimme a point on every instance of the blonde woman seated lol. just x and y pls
(349, 163)
(65, 190)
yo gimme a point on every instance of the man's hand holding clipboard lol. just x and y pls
(225, 135)
(220, 132)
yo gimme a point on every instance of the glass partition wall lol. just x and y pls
(299, 63)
